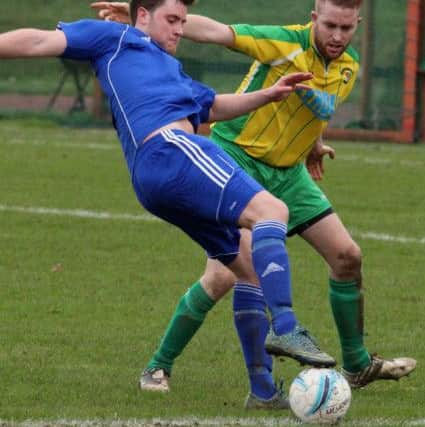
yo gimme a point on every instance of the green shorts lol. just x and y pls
(305, 200)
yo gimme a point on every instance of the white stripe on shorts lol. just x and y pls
(198, 157)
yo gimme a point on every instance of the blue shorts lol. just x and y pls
(189, 181)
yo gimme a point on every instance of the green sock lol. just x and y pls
(187, 318)
(347, 306)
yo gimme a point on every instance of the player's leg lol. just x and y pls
(305, 201)
(192, 183)
(181, 182)
(212, 195)
(267, 217)
(187, 318)
(298, 343)
(195, 206)
(331, 239)
(252, 324)
(287, 185)
(220, 237)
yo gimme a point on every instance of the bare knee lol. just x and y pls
(348, 263)
(217, 279)
(263, 207)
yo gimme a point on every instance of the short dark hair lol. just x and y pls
(150, 5)
(352, 4)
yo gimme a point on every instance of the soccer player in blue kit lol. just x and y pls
(180, 177)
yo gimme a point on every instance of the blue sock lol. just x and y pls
(252, 324)
(271, 264)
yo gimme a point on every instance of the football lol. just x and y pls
(320, 396)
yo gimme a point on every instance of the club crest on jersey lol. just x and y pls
(346, 74)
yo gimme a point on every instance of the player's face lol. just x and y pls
(165, 24)
(334, 28)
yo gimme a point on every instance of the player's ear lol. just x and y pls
(313, 16)
(142, 16)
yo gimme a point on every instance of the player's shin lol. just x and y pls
(271, 263)
(187, 318)
(347, 307)
(252, 325)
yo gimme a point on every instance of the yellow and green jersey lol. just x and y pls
(281, 133)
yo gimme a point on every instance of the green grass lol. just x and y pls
(83, 301)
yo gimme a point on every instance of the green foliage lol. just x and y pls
(215, 65)
(84, 301)
(390, 20)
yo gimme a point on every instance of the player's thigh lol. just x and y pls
(293, 186)
(220, 242)
(305, 199)
(331, 239)
(188, 173)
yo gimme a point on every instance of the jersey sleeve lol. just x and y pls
(268, 43)
(86, 39)
(205, 97)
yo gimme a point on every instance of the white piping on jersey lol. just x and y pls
(274, 63)
(113, 88)
(288, 58)
(198, 157)
(251, 77)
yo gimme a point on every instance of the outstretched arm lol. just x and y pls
(206, 30)
(229, 106)
(28, 43)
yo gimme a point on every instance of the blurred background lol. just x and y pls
(378, 102)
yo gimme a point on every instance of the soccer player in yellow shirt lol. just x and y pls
(279, 144)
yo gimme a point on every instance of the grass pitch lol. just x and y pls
(88, 282)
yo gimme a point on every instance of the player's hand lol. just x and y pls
(112, 11)
(289, 84)
(314, 160)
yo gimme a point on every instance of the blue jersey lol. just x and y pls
(145, 85)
